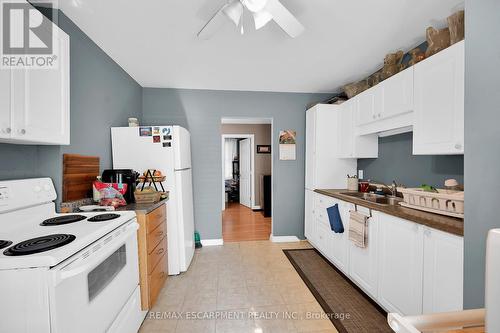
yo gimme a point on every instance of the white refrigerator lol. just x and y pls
(168, 149)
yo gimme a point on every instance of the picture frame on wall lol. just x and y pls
(263, 149)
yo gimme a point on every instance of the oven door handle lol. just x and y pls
(97, 257)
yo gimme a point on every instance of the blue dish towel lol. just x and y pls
(335, 220)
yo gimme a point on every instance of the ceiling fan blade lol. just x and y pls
(210, 26)
(234, 11)
(284, 18)
(261, 19)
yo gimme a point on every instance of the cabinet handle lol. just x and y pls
(374, 116)
(427, 233)
(8, 130)
(160, 251)
(458, 146)
(22, 131)
(379, 115)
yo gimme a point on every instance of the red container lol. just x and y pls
(363, 186)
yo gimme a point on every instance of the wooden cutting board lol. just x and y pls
(79, 172)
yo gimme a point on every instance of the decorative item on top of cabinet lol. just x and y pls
(392, 64)
(153, 256)
(439, 103)
(437, 40)
(456, 24)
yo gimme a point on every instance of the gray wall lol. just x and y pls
(102, 95)
(262, 136)
(201, 111)
(482, 136)
(396, 162)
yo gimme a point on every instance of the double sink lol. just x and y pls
(375, 198)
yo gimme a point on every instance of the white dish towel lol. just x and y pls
(358, 224)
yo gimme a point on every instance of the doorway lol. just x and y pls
(247, 179)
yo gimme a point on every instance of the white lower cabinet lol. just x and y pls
(400, 265)
(363, 262)
(443, 272)
(406, 267)
(308, 214)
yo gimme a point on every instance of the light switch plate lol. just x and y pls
(360, 174)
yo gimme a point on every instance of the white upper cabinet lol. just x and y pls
(397, 94)
(324, 167)
(369, 105)
(443, 272)
(5, 102)
(35, 103)
(439, 103)
(400, 265)
(352, 145)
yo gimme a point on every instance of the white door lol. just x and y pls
(5, 103)
(42, 113)
(363, 264)
(368, 105)
(439, 103)
(184, 192)
(397, 92)
(443, 272)
(246, 173)
(310, 148)
(400, 265)
(346, 129)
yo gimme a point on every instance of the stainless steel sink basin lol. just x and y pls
(375, 198)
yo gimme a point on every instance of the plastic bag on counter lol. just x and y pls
(110, 194)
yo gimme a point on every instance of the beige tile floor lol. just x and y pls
(239, 287)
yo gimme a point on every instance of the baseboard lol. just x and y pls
(256, 208)
(212, 242)
(284, 239)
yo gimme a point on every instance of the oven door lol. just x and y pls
(92, 288)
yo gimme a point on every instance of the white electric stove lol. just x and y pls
(65, 272)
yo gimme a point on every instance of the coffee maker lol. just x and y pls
(124, 176)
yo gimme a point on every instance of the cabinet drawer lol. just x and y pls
(156, 217)
(155, 256)
(156, 236)
(156, 280)
(323, 201)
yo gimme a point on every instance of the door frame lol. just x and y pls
(252, 166)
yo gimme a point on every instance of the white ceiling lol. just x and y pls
(155, 41)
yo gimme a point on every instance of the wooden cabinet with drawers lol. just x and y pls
(153, 264)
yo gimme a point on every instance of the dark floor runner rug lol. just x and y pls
(349, 309)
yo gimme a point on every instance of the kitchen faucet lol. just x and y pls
(393, 188)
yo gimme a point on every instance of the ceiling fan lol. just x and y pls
(263, 11)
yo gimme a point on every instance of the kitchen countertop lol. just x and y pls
(143, 208)
(441, 222)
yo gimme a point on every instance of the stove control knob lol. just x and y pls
(37, 189)
(46, 187)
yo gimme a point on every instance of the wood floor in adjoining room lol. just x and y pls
(240, 223)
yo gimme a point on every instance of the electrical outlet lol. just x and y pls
(360, 174)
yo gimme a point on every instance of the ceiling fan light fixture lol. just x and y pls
(255, 6)
(234, 11)
(261, 19)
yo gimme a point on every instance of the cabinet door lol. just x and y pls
(369, 105)
(42, 115)
(439, 103)
(309, 213)
(397, 94)
(346, 129)
(5, 103)
(363, 262)
(401, 265)
(443, 272)
(310, 148)
(324, 239)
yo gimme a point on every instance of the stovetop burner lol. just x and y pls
(63, 219)
(39, 244)
(103, 217)
(4, 243)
